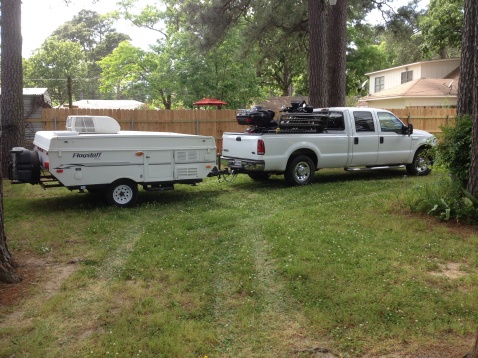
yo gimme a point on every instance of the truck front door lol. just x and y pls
(365, 139)
(394, 147)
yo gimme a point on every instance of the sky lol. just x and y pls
(41, 17)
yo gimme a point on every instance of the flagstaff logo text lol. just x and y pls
(87, 155)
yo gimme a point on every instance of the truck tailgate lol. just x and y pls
(240, 145)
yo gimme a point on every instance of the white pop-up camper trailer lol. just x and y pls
(94, 154)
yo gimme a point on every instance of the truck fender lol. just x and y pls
(304, 148)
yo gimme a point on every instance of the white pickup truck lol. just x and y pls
(305, 141)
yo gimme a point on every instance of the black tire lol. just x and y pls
(122, 193)
(421, 164)
(259, 176)
(300, 171)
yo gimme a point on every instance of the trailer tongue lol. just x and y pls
(93, 154)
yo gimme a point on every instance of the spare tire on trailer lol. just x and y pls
(122, 193)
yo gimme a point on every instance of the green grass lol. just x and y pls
(241, 269)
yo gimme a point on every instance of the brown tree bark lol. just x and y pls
(465, 86)
(336, 54)
(468, 98)
(318, 53)
(11, 112)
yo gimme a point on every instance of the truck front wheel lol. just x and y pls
(300, 171)
(122, 193)
(421, 164)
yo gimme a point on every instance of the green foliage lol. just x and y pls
(441, 27)
(51, 64)
(444, 199)
(453, 151)
(400, 38)
(448, 199)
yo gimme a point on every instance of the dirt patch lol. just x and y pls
(450, 270)
(40, 278)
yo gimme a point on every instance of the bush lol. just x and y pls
(447, 198)
(453, 151)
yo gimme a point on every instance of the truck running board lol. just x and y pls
(352, 169)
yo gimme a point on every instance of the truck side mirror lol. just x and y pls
(408, 129)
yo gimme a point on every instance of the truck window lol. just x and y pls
(335, 121)
(389, 123)
(364, 121)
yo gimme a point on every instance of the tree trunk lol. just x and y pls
(317, 53)
(13, 130)
(471, 77)
(336, 54)
(465, 86)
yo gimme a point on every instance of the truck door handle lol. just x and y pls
(356, 140)
(238, 139)
(381, 140)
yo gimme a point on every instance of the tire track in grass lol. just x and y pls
(273, 324)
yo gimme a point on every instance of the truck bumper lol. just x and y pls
(243, 165)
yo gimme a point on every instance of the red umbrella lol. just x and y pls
(210, 102)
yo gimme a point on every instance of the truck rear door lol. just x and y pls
(365, 139)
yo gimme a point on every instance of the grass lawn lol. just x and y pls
(239, 269)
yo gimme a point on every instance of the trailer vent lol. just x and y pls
(186, 172)
(187, 156)
(92, 124)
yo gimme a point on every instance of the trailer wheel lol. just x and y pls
(122, 193)
(300, 171)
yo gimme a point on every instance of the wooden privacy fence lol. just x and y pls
(428, 119)
(213, 122)
(205, 122)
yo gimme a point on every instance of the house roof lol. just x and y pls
(108, 104)
(423, 87)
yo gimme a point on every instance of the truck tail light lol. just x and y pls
(261, 148)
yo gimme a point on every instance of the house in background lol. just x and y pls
(34, 100)
(421, 84)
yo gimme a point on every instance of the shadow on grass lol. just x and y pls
(74, 201)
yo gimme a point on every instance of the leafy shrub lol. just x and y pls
(453, 151)
(445, 199)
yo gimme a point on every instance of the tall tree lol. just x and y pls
(336, 55)
(468, 85)
(441, 27)
(97, 37)
(53, 63)
(11, 112)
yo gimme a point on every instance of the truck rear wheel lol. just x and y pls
(122, 193)
(300, 171)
